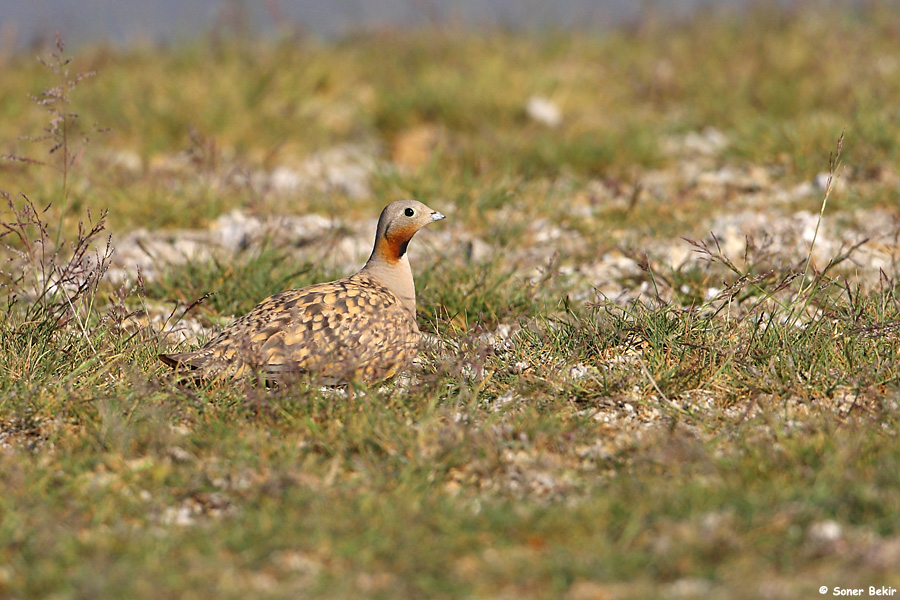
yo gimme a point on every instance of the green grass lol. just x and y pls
(667, 441)
(237, 286)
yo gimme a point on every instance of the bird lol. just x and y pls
(360, 328)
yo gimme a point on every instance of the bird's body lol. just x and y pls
(362, 327)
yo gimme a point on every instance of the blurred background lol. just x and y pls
(27, 23)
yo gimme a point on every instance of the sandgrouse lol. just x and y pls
(362, 327)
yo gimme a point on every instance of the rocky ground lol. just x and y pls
(756, 221)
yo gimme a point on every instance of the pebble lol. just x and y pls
(825, 532)
(543, 111)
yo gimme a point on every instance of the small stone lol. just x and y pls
(821, 181)
(543, 111)
(179, 455)
(181, 516)
(826, 532)
(580, 371)
(503, 400)
(284, 179)
(713, 292)
(518, 367)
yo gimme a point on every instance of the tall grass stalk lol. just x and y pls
(805, 285)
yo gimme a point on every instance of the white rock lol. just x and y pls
(825, 532)
(581, 371)
(236, 229)
(821, 181)
(285, 179)
(543, 111)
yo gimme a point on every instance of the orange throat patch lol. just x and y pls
(393, 249)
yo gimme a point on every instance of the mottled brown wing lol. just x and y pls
(351, 328)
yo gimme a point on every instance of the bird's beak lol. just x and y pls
(436, 216)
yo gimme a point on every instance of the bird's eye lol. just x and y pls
(409, 212)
